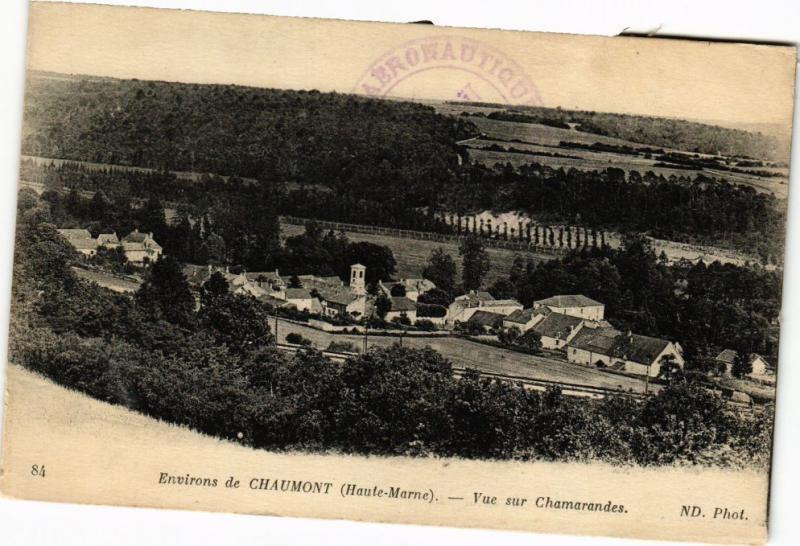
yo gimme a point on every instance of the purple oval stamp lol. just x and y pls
(479, 73)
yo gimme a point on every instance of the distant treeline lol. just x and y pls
(652, 131)
(697, 209)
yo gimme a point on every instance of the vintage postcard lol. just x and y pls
(398, 273)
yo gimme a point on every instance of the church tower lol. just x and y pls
(357, 280)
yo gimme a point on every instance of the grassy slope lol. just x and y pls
(412, 255)
(467, 354)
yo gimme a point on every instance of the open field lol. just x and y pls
(546, 138)
(467, 354)
(412, 254)
(107, 280)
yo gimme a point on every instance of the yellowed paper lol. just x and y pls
(63, 445)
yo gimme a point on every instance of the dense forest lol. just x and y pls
(214, 369)
(363, 147)
(652, 131)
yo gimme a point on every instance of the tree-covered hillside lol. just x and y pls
(356, 145)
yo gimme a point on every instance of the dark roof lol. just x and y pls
(297, 294)
(726, 356)
(569, 300)
(341, 296)
(523, 316)
(596, 340)
(485, 318)
(136, 237)
(642, 349)
(402, 303)
(557, 325)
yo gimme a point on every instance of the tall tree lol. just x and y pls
(441, 270)
(165, 293)
(475, 262)
(742, 365)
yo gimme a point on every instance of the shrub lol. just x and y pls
(425, 325)
(342, 347)
(297, 339)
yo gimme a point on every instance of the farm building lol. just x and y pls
(557, 329)
(300, 298)
(760, 367)
(81, 240)
(402, 307)
(525, 319)
(486, 319)
(633, 353)
(575, 305)
(140, 247)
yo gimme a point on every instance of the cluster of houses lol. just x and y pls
(572, 324)
(325, 296)
(139, 247)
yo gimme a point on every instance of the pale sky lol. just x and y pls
(730, 83)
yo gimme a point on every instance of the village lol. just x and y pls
(570, 329)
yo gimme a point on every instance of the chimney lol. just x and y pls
(150, 234)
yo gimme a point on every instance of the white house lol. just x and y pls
(140, 247)
(300, 298)
(575, 305)
(463, 307)
(412, 287)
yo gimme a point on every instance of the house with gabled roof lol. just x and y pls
(81, 240)
(402, 306)
(486, 319)
(759, 365)
(575, 305)
(633, 353)
(413, 288)
(140, 247)
(557, 329)
(301, 298)
(108, 240)
(463, 307)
